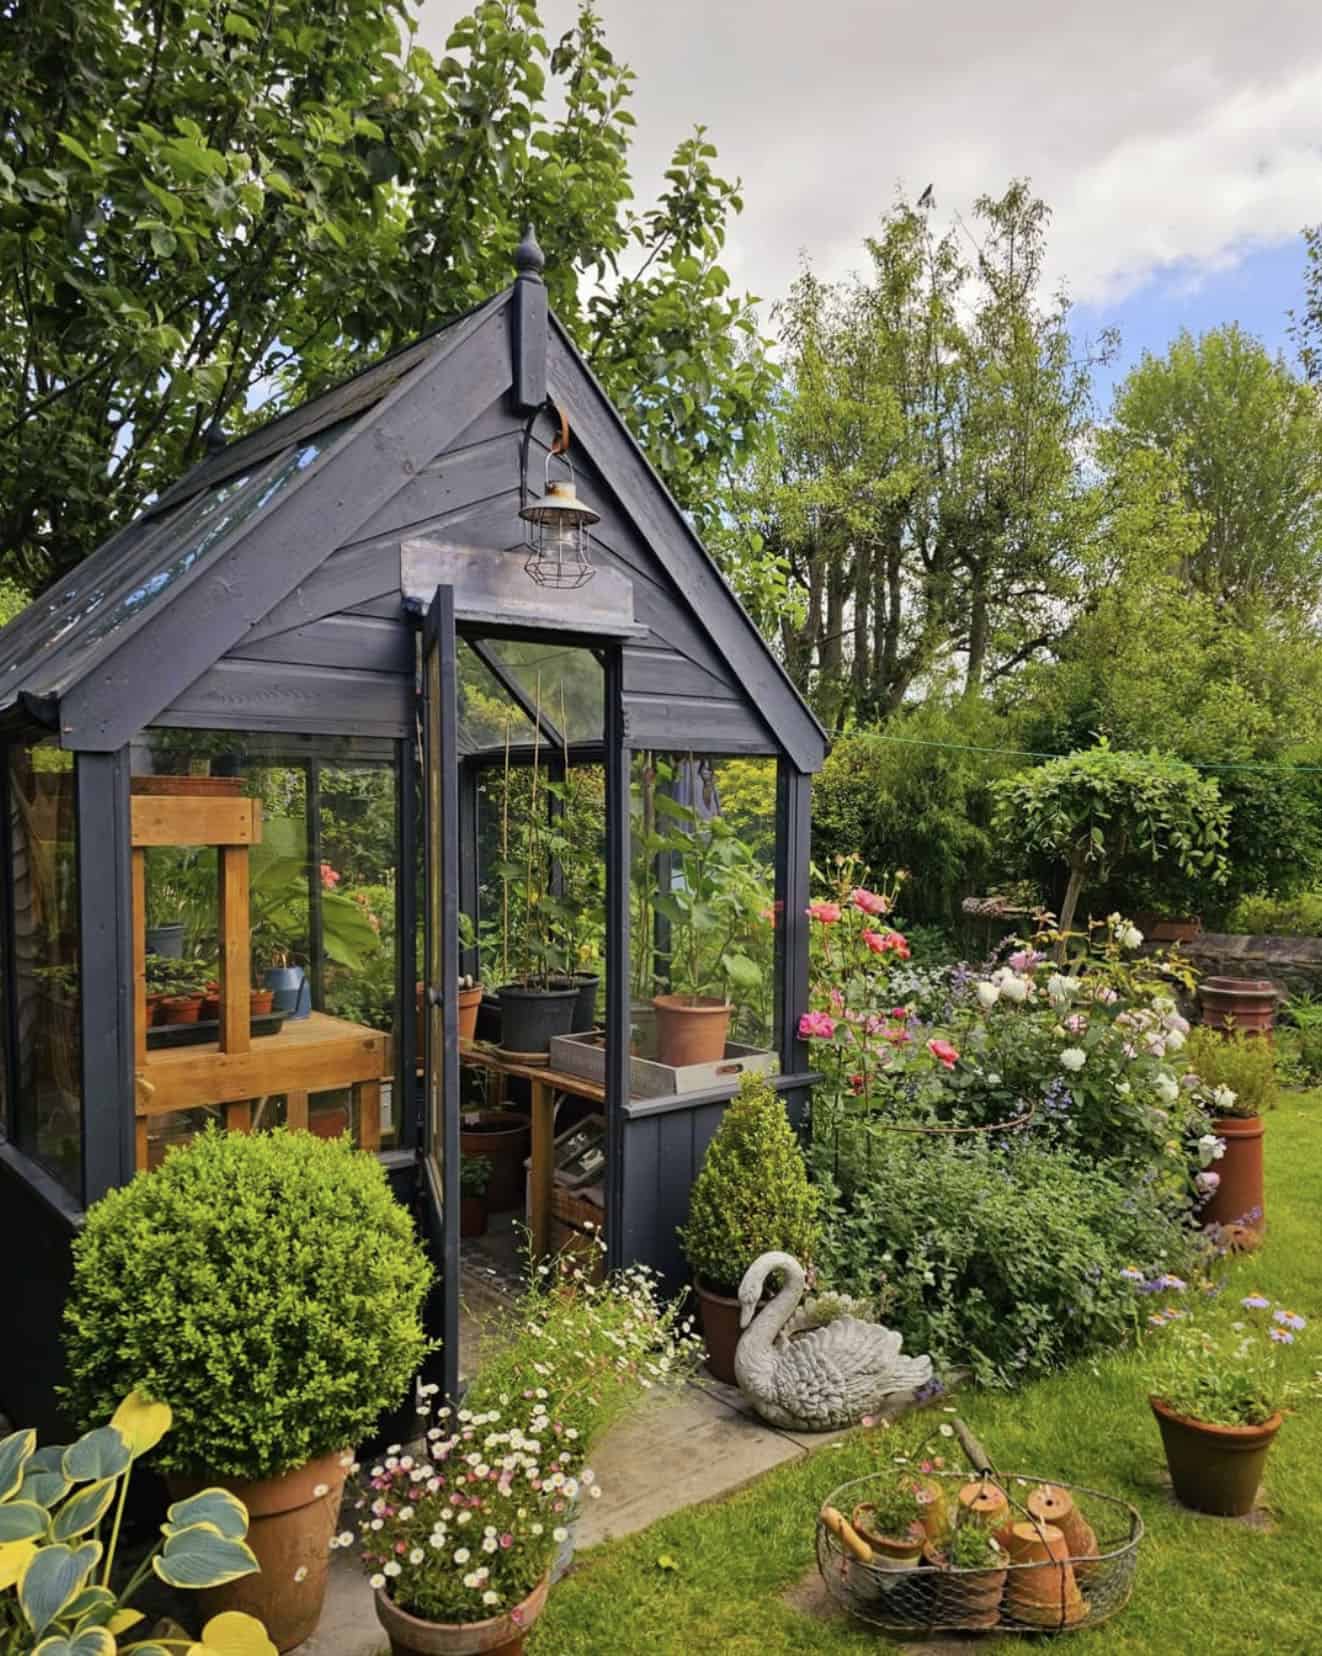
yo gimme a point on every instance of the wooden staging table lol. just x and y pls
(544, 1084)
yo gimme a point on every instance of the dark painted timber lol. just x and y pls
(617, 956)
(793, 861)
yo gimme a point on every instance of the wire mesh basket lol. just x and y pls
(1067, 1561)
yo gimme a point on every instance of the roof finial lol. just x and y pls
(215, 439)
(529, 260)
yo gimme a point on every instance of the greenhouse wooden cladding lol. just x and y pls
(276, 590)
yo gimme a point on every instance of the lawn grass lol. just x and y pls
(1205, 1586)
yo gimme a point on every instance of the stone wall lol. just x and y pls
(1294, 964)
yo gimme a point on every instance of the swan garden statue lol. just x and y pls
(823, 1379)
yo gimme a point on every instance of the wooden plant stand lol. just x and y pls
(313, 1054)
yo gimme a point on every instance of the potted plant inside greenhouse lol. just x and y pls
(716, 899)
(1218, 1395)
(233, 1285)
(177, 988)
(474, 1177)
(752, 1196)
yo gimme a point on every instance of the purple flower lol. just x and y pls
(1282, 1336)
(1288, 1319)
(1255, 1302)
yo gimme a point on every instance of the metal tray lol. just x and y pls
(198, 1034)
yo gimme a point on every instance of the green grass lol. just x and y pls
(1205, 1586)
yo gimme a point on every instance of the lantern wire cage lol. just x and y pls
(556, 541)
(1068, 1589)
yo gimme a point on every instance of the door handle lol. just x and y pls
(434, 996)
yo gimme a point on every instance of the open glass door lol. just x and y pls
(441, 1055)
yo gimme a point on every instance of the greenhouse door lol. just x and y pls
(440, 1166)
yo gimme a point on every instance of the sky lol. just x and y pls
(1179, 145)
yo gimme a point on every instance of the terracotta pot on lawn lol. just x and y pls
(501, 1635)
(1051, 1504)
(1238, 1202)
(985, 1504)
(1048, 1595)
(691, 1029)
(719, 1317)
(890, 1552)
(963, 1598)
(291, 1520)
(1214, 1469)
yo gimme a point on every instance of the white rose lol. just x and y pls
(1210, 1148)
(1166, 1087)
(1015, 988)
(1224, 1099)
(1061, 989)
(988, 994)
(1174, 1039)
(1129, 936)
(1073, 1058)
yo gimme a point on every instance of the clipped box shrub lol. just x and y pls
(267, 1286)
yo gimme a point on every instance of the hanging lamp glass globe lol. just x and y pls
(558, 542)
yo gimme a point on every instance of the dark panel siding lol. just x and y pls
(260, 695)
(367, 644)
(690, 724)
(347, 578)
(38, 1244)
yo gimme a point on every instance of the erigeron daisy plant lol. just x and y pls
(1230, 1374)
(465, 1529)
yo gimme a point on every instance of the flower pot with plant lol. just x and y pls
(307, 1336)
(1238, 1076)
(474, 1177)
(1218, 1395)
(972, 1570)
(892, 1525)
(177, 987)
(752, 1196)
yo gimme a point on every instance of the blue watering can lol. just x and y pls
(292, 991)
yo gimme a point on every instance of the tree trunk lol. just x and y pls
(1073, 888)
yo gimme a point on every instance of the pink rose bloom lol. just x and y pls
(816, 1025)
(1207, 1182)
(827, 913)
(837, 1000)
(944, 1053)
(871, 902)
(329, 878)
(857, 1083)
(1076, 1023)
(1024, 960)
(898, 1037)
(875, 941)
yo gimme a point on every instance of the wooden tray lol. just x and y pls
(198, 1034)
(585, 1055)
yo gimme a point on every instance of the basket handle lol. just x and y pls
(978, 1457)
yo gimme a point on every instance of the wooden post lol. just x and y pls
(139, 906)
(296, 1109)
(235, 950)
(543, 1166)
(369, 1115)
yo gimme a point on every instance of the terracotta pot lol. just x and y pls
(1048, 1595)
(1158, 928)
(210, 1012)
(963, 1598)
(1053, 1505)
(469, 1001)
(290, 1526)
(1214, 1469)
(180, 1009)
(933, 1513)
(473, 1215)
(1246, 1004)
(719, 1316)
(504, 1137)
(985, 1504)
(332, 1123)
(691, 1029)
(260, 1002)
(891, 1552)
(154, 1009)
(498, 1636)
(1239, 1199)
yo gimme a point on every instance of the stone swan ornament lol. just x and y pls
(823, 1379)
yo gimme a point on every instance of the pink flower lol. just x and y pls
(1024, 960)
(827, 913)
(816, 1025)
(886, 943)
(329, 878)
(1207, 1182)
(899, 1011)
(857, 1083)
(875, 941)
(944, 1053)
(871, 902)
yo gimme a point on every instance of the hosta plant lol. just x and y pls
(59, 1595)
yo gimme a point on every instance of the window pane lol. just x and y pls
(45, 881)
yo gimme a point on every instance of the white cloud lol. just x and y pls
(1166, 137)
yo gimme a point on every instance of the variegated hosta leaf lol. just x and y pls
(234, 1634)
(94, 1602)
(142, 1422)
(92, 1641)
(20, 1520)
(14, 1556)
(84, 1509)
(103, 1453)
(200, 1556)
(54, 1576)
(123, 1619)
(15, 1451)
(43, 1477)
(209, 1506)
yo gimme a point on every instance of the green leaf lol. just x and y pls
(237, 24)
(97, 1602)
(54, 1577)
(85, 1509)
(15, 1452)
(43, 1477)
(164, 242)
(667, 1562)
(741, 971)
(225, 1512)
(200, 1556)
(91, 1641)
(75, 148)
(20, 1520)
(102, 1453)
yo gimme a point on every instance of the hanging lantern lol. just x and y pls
(557, 541)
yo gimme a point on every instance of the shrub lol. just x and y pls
(1004, 1261)
(1244, 1063)
(267, 1287)
(1297, 916)
(752, 1195)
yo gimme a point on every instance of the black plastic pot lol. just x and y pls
(586, 985)
(166, 941)
(488, 1020)
(530, 1017)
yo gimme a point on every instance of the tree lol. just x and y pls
(923, 490)
(1093, 812)
(1247, 437)
(208, 212)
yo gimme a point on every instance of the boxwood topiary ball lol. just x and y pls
(267, 1286)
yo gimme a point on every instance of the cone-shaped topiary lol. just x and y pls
(752, 1195)
(267, 1286)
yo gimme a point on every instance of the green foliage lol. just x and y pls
(1244, 1063)
(267, 1286)
(1093, 812)
(895, 1512)
(207, 204)
(1223, 1373)
(752, 1195)
(1297, 916)
(474, 1175)
(1004, 1261)
(55, 1568)
(13, 600)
